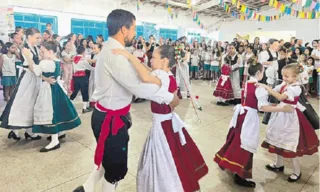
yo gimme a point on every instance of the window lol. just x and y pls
(87, 27)
(139, 30)
(27, 20)
(194, 36)
(169, 33)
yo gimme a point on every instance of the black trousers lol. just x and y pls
(115, 157)
(81, 84)
(264, 78)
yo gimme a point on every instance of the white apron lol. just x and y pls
(156, 169)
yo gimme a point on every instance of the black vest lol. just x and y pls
(235, 60)
(35, 54)
(271, 58)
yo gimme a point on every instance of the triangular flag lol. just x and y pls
(234, 2)
(309, 15)
(308, 3)
(275, 4)
(282, 8)
(301, 15)
(313, 15)
(243, 8)
(313, 5)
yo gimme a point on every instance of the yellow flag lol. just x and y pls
(282, 8)
(238, 4)
(301, 15)
(271, 3)
(263, 18)
(243, 9)
(234, 2)
(275, 5)
(169, 9)
(309, 15)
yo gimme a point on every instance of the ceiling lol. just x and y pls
(211, 8)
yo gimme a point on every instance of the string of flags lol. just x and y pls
(311, 4)
(138, 5)
(247, 14)
(195, 16)
(298, 14)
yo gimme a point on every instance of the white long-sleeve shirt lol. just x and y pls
(116, 81)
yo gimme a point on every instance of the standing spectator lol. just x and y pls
(49, 28)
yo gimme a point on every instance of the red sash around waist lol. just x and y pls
(117, 124)
(79, 74)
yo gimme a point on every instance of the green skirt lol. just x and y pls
(241, 70)
(65, 116)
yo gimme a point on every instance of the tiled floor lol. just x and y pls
(24, 169)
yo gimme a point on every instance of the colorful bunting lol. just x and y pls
(138, 5)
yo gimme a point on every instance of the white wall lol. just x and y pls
(306, 29)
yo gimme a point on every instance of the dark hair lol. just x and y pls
(80, 50)
(139, 46)
(31, 31)
(296, 49)
(55, 36)
(167, 51)
(101, 37)
(1, 43)
(70, 36)
(50, 46)
(18, 28)
(254, 67)
(218, 53)
(99, 45)
(48, 24)
(81, 42)
(271, 41)
(5, 48)
(47, 32)
(117, 19)
(12, 35)
(311, 59)
(315, 41)
(90, 38)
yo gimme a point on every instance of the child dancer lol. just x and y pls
(215, 62)
(96, 50)
(289, 135)
(195, 59)
(223, 90)
(81, 82)
(67, 58)
(243, 138)
(170, 161)
(53, 111)
(8, 69)
(310, 67)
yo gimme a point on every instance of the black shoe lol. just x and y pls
(87, 110)
(79, 189)
(60, 137)
(219, 103)
(44, 150)
(243, 182)
(12, 135)
(224, 104)
(274, 168)
(294, 180)
(26, 136)
(139, 100)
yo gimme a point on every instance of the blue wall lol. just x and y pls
(89, 27)
(27, 20)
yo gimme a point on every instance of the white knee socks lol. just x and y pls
(108, 187)
(54, 141)
(93, 179)
(279, 161)
(84, 105)
(296, 167)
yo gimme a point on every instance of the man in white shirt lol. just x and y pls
(116, 81)
(269, 58)
(316, 55)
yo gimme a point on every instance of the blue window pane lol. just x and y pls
(100, 25)
(18, 17)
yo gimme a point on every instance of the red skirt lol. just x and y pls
(225, 91)
(189, 162)
(308, 141)
(232, 157)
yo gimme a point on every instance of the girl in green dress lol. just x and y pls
(53, 111)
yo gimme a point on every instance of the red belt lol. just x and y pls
(79, 74)
(117, 124)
